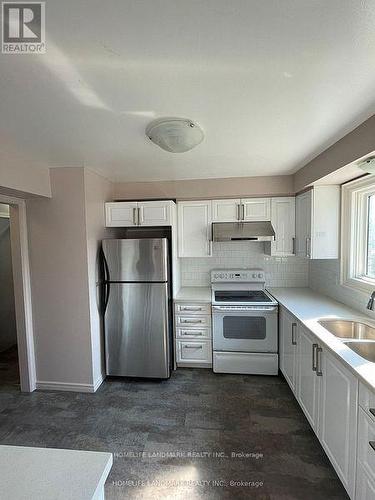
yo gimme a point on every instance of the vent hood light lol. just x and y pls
(243, 231)
(176, 135)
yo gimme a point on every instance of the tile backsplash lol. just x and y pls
(280, 271)
(325, 278)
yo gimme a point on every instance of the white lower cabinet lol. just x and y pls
(328, 395)
(288, 344)
(338, 417)
(365, 487)
(193, 334)
(308, 382)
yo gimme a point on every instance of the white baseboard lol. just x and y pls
(62, 386)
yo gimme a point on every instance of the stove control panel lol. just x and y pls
(238, 275)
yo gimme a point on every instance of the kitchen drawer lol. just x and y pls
(186, 333)
(365, 488)
(190, 351)
(367, 400)
(194, 321)
(366, 443)
(186, 308)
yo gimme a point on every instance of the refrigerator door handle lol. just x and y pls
(107, 288)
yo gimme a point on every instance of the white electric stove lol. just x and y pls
(245, 323)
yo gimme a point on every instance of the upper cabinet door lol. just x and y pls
(154, 213)
(194, 228)
(256, 209)
(283, 221)
(226, 210)
(303, 224)
(121, 214)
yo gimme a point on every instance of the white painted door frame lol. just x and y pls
(22, 292)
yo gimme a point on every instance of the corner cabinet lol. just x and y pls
(139, 213)
(194, 229)
(317, 223)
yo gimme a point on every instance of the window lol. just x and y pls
(358, 234)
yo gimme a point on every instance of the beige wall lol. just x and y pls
(358, 143)
(18, 178)
(60, 292)
(97, 191)
(232, 187)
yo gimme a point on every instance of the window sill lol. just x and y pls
(359, 285)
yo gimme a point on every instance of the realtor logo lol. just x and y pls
(23, 28)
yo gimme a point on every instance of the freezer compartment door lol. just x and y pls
(137, 330)
(136, 259)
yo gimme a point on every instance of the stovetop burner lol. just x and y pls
(244, 296)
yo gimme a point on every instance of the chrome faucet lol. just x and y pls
(371, 302)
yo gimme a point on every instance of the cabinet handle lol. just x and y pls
(190, 334)
(139, 216)
(134, 216)
(308, 247)
(238, 211)
(191, 321)
(294, 326)
(314, 348)
(372, 444)
(242, 211)
(318, 361)
(293, 246)
(191, 308)
(193, 347)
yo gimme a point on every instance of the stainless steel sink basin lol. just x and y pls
(346, 329)
(364, 349)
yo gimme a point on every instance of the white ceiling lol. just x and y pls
(272, 83)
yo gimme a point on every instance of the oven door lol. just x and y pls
(245, 329)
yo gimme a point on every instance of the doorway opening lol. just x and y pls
(9, 367)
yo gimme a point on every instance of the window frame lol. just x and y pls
(354, 231)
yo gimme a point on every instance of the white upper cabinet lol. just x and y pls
(143, 213)
(154, 213)
(317, 223)
(119, 214)
(245, 209)
(194, 228)
(255, 209)
(283, 221)
(226, 210)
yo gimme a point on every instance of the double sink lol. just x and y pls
(358, 336)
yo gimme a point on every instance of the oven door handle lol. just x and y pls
(244, 309)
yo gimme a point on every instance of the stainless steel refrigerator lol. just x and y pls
(137, 311)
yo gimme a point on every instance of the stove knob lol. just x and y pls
(254, 275)
(260, 275)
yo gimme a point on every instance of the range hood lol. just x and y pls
(243, 231)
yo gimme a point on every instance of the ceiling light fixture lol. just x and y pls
(175, 135)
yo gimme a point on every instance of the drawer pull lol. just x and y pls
(193, 346)
(372, 444)
(372, 411)
(188, 334)
(187, 308)
(191, 321)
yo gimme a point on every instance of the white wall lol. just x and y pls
(325, 279)
(60, 291)
(8, 330)
(20, 178)
(280, 271)
(97, 191)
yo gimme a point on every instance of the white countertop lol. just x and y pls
(194, 294)
(309, 307)
(52, 474)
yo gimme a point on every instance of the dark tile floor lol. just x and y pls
(175, 439)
